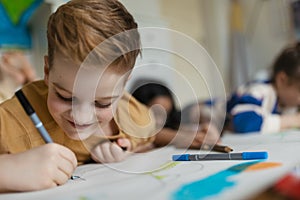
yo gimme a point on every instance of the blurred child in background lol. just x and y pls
(269, 106)
(156, 95)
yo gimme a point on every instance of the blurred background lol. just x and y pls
(242, 37)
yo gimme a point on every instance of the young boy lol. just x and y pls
(81, 101)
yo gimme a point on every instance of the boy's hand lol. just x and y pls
(38, 168)
(108, 152)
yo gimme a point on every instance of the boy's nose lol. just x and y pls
(83, 114)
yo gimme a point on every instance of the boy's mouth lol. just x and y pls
(80, 126)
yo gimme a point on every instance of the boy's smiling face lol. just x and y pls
(82, 102)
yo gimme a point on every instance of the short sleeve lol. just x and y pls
(135, 120)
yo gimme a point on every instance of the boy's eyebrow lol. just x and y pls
(98, 98)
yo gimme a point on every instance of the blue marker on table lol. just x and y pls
(223, 156)
(33, 116)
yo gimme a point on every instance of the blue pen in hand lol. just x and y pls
(36, 120)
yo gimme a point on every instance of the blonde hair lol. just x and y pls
(79, 26)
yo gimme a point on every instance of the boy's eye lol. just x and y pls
(99, 105)
(64, 98)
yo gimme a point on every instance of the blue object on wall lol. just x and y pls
(16, 34)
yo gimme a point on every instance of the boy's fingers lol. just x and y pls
(111, 150)
(106, 152)
(66, 154)
(97, 155)
(116, 152)
(61, 177)
(124, 143)
(66, 167)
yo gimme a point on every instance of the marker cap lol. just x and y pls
(183, 157)
(254, 155)
(24, 102)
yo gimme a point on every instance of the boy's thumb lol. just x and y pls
(123, 143)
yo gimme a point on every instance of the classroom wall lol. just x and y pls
(185, 80)
(267, 26)
(269, 30)
(38, 27)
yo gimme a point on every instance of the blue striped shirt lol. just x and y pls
(254, 108)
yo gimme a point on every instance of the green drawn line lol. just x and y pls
(163, 167)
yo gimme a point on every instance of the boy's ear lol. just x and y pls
(46, 70)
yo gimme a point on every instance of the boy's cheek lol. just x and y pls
(104, 115)
(56, 106)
